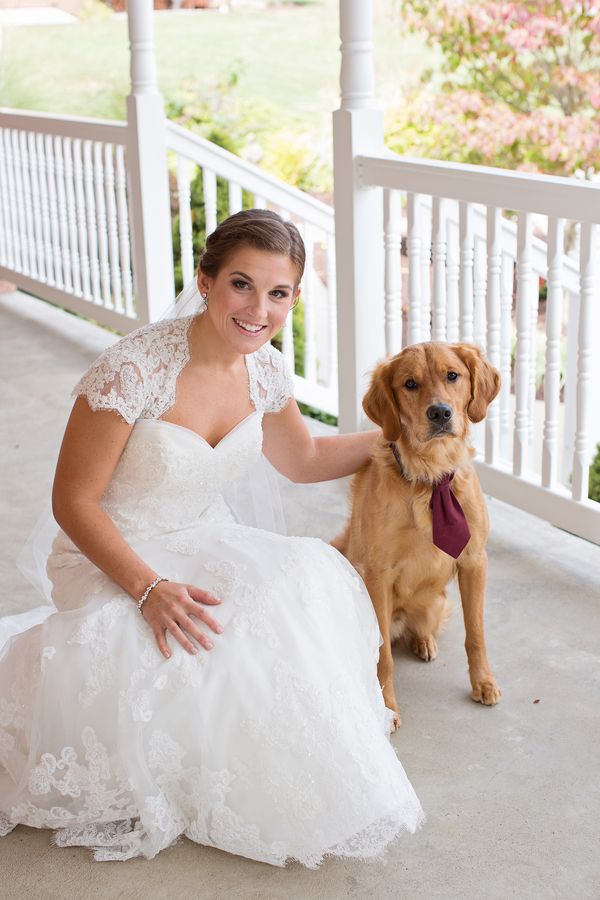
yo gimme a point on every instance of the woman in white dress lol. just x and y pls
(199, 676)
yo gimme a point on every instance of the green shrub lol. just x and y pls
(299, 338)
(594, 483)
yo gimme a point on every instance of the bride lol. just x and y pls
(199, 675)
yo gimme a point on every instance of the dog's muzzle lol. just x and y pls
(440, 419)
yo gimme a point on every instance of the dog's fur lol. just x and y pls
(389, 535)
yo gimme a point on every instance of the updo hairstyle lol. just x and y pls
(261, 229)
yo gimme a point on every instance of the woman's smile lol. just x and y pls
(249, 328)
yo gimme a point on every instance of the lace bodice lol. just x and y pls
(168, 477)
(137, 376)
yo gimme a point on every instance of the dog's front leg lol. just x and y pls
(472, 578)
(381, 598)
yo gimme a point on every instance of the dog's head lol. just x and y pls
(431, 391)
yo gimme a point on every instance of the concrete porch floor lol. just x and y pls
(511, 793)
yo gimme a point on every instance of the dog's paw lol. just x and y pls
(395, 722)
(424, 647)
(486, 692)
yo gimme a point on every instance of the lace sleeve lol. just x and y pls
(115, 381)
(271, 382)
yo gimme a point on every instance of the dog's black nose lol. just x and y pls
(440, 413)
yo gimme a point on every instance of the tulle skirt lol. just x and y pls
(274, 745)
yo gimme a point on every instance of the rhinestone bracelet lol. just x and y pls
(150, 587)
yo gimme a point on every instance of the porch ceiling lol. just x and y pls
(510, 792)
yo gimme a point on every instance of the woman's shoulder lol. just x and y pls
(134, 374)
(273, 381)
(166, 332)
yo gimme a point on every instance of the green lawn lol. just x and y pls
(286, 58)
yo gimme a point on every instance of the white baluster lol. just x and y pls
(570, 390)
(63, 222)
(92, 225)
(44, 203)
(5, 241)
(393, 270)
(186, 242)
(425, 273)
(581, 453)
(414, 268)
(34, 174)
(123, 228)
(556, 230)
(27, 199)
(438, 240)
(308, 300)
(72, 215)
(507, 276)
(452, 278)
(235, 198)
(479, 292)
(209, 181)
(84, 259)
(466, 271)
(259, 202)
(53, 205)
(332, 312)
(20, 202)
(111, 221)
(533, 309)
(494, 248)
(12, 202)
(523, 361)
(99, 189)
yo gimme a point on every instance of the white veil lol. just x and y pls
(255, 500)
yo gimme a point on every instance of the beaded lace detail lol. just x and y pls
(137, 376)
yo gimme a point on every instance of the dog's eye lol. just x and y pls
(411, 384)
(452, 376)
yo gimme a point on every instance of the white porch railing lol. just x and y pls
(465, 260)
(64, 214)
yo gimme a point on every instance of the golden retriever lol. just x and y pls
(423, 398)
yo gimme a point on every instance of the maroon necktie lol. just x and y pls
(450, 528)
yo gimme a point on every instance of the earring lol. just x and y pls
(204, 304)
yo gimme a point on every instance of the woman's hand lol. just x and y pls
(174, 607)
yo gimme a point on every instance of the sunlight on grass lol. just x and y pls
(286, 57)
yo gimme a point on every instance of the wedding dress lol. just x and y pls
(273, 745)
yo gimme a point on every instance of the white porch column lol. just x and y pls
(147, 169)
(357, 131)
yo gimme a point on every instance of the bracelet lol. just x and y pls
(150, 587)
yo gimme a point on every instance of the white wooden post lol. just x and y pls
(357, 131)
(150, 216)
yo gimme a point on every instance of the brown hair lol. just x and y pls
(258, 228)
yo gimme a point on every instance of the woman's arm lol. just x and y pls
(294, 452)
(90, 451)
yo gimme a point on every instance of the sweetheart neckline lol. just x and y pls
(199, 436)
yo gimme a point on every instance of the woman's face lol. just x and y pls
(249, 299)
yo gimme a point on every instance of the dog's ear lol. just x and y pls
(380, 403)
(485, 380)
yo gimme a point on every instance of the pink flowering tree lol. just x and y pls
(520, 85)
